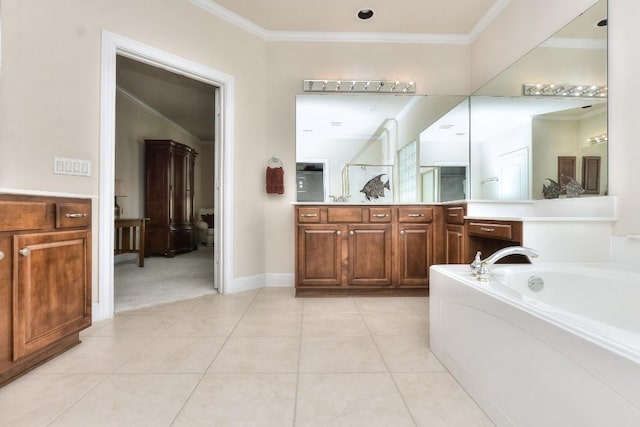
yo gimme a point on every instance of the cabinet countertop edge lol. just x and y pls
(20, 192)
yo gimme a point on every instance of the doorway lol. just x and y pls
(112, 46)
(156, 104)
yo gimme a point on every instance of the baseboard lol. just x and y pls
(247, 283)
(283, 280)
(272, 280)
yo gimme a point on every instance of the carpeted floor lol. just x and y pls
(163, 280)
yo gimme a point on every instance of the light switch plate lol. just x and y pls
(77, 167)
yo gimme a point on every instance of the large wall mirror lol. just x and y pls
(381, 148)
(520, 144)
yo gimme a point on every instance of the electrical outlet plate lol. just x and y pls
(77, 167)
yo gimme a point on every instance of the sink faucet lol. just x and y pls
(483, 271)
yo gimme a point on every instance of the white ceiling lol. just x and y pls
(398, 16)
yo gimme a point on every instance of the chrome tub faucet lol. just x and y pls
(480, 268)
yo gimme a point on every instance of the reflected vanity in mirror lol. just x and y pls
(519, 144)
(381, 148)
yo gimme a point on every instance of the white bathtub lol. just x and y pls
(568, 355)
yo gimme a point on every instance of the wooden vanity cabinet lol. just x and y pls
(355, 250)
(45, 279)
(415, 245)
(488, 236)
(455, 235)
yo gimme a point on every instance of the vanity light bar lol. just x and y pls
(568, 90)
(598, 139)
(360, 86)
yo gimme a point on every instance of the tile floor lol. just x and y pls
(260, 358)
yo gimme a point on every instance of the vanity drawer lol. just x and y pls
(492, 231)
(379, 214)
(454, 215)
(70, 215)
(19, 216)
(309, 215)
(415, 214)
(344, 214)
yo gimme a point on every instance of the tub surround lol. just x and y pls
(511, 350)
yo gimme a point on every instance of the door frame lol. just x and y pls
(112, 45)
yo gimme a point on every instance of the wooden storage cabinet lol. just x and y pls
(355, 250)
(488, 236)
(455, 235)
(169, 168)
(319, 255)
(45, 279)
(369, 261)
(415, 254)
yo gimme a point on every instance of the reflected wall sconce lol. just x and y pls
(598, 139)
(564, 90)
(360, 86)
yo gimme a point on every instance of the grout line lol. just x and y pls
(206, 370)
(375, 342)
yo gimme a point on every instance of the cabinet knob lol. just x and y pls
(24, 251)
(351, 233)
(1, 254)
(402, 233)
(459, 235)
(338, 233)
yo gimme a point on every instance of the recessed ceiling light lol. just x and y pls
(602, 22)
(365, 14)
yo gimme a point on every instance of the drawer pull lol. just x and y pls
(1, 254)
(454, 215)
(380, 215)
(308, 215)
(24, 251)
(76, 215)
(415, 215)
(487, 229)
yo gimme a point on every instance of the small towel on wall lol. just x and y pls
(275, 180)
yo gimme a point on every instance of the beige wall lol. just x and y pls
(521, 26)
(50, 94)
(624, 126)
(50, 89)
(437, 69)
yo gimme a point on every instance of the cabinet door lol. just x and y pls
(415, 254)
(455, 245)
(52, 288)
(319, 255)
(370, 255)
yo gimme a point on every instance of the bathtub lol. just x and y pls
(566, 355)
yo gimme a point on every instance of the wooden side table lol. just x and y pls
(129, 237)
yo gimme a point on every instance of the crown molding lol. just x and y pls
(349, 37)
(487, 18)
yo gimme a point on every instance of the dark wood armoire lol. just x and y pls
(169, 194)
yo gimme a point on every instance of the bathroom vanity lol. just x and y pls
(387, 249)
(45, 278)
